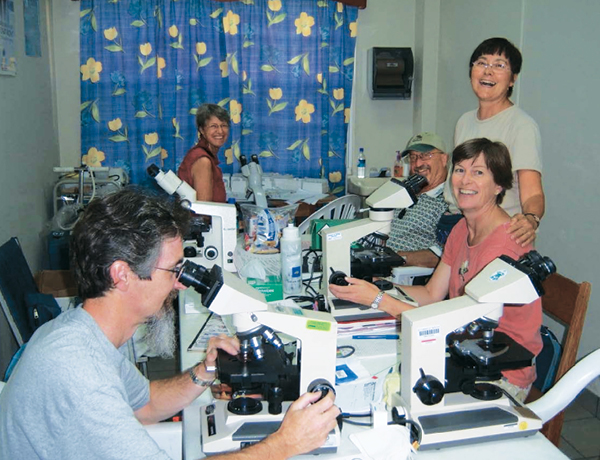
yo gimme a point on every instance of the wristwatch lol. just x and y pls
(378, 297)
(198, 381)
(535, 217)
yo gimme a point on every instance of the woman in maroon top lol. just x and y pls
(200, 166)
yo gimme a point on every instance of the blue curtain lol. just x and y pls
(283, 70)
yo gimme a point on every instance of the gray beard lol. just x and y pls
(160, 330)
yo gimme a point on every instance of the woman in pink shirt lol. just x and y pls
(481, 174)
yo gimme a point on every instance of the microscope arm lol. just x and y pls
(255, 184)
(567, 388)
(226, 294)
(253, 172)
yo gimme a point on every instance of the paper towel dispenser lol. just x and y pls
(390, 73)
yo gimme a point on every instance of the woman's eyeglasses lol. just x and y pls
(498, 66)
(224, 127)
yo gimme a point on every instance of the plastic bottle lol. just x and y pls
(361, 169)
(291, 261)
(398, 165)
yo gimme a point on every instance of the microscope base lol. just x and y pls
(346, 311)
(223, 431)
(474, 421)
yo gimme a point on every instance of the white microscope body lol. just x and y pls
(257, 324)
(459, 418)
(337, 240)
(220, 241)
(215, 245)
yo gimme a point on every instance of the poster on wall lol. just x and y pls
(33, 46)
(8, 61)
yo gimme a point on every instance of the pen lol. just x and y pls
(377, 336)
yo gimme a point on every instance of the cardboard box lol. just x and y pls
(271, 287)
(59, 283)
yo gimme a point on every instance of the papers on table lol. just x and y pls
(356, 389)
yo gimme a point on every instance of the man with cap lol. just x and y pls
(413, 232)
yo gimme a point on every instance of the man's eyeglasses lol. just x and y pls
(176, 270)
(423, 156)
(499, 66)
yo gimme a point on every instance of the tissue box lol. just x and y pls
(286, 182)
(238, 184)
(271, 287)
(315, 185)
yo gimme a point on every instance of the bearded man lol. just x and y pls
(74, 394)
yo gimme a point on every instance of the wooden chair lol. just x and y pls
(565, 301)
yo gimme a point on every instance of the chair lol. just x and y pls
(565, 301)
(344, 207)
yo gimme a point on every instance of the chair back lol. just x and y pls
(344, 207)
(565, 301)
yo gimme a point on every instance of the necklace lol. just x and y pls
(464, 267)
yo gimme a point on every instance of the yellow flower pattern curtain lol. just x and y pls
(283, 70)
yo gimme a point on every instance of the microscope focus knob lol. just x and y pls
(211, 253)
(337, 278)
(321, 385)
(429, 389)
(189, 251)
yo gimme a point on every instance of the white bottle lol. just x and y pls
(291, 261)
(361, 169)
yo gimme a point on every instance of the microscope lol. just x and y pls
(211, 240)
(285, 352)
(450, 353)
(253, 172)
(373, 259)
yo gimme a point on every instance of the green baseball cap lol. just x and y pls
(424, 142)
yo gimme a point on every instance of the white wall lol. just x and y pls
(66, 77)
(463, 25)
(28, 151)
(381, 126)
(556, 87)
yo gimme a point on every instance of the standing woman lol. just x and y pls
(494, 67)
(200, 166)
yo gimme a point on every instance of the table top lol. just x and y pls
(536, 446)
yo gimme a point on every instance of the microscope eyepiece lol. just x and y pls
(535, 266)
(539, 266)
(152, 170)
(415, 183)
(194, 275)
